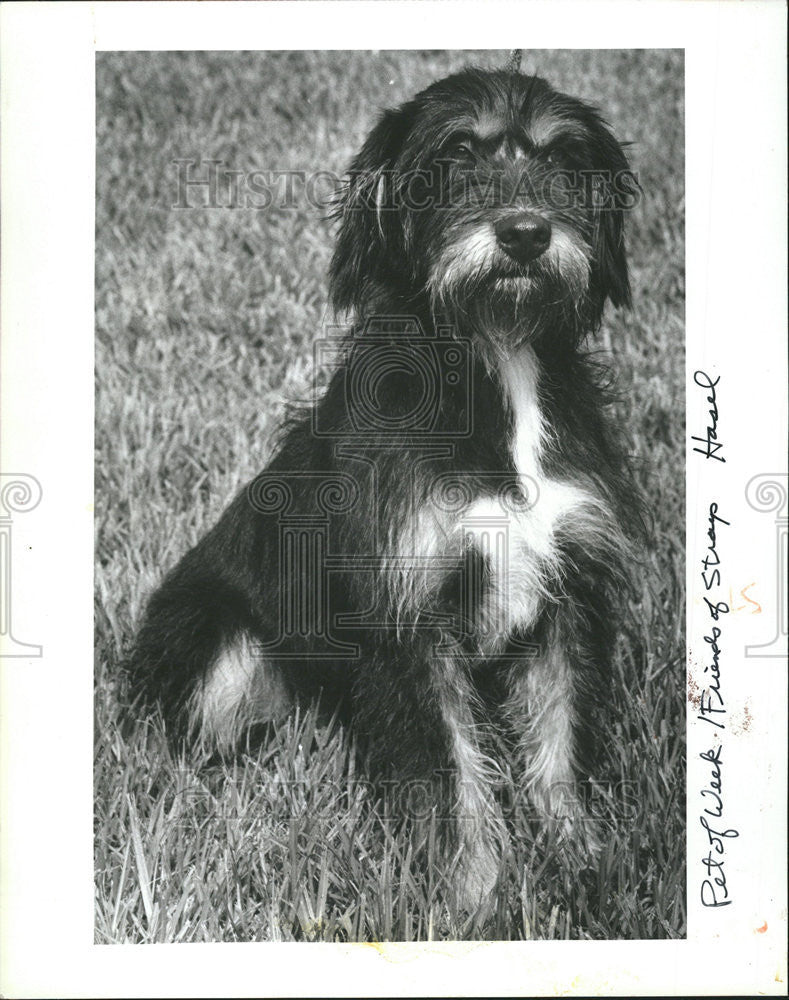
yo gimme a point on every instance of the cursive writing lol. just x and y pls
(714, 888)
(711, 445)
(712, 576)
(711, 702)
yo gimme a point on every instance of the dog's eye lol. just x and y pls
(460, 151)
(565, 154)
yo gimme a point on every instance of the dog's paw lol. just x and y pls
(476, 875)
(583, 833)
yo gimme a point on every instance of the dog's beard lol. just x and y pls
(477, 285)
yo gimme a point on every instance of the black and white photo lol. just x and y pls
(424, 630)
(393, 502)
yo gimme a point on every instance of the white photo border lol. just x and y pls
(736, 323)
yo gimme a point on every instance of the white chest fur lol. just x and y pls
(521, 545)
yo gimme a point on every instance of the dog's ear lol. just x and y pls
(615, 191)
(369, 242)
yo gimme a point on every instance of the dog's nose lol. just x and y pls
(524, 236)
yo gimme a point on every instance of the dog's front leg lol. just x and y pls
(414, 706)
(548, 711)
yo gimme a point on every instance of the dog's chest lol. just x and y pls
(522, 544)
(520, 538)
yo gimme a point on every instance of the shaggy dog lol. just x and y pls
(440, 542)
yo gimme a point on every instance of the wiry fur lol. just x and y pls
(396, 563)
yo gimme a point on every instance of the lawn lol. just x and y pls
(205, 319)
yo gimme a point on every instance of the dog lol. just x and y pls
(441, 542)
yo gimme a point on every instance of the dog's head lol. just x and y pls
(492, 196)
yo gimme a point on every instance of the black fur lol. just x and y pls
(378, 471)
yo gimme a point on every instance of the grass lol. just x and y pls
(204, 324)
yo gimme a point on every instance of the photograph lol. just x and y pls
(389, 495)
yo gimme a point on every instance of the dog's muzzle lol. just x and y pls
(523, 237)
